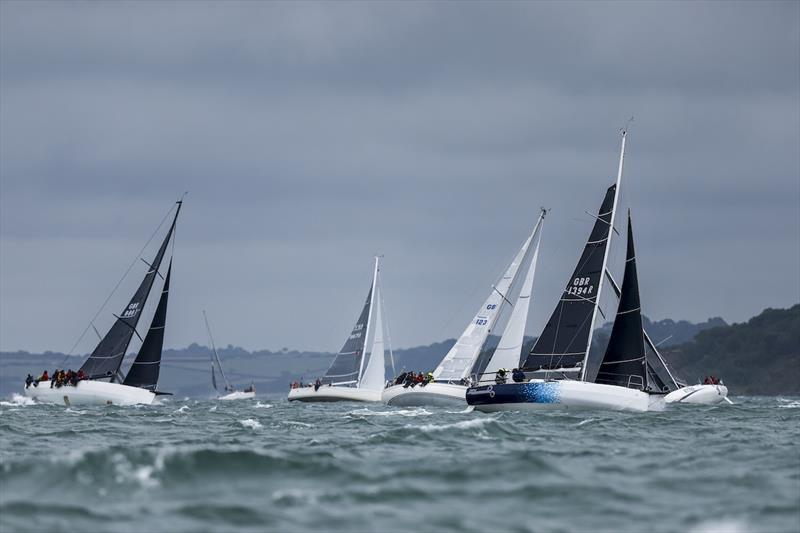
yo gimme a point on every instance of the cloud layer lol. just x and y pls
(313, 135)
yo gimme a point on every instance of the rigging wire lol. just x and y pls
(114, 290)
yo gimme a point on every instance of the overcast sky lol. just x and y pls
(313, 135)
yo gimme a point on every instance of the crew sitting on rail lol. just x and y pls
(317, 385)
(43, 377)
(500, 376)
(410, 380)
(401, 378)
(518, 375)
(428, 379)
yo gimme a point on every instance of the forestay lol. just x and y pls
(564, 341)
(107, 356)
(458, 362)
(508, 352)
(374, 373)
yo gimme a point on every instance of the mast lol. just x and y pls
(216, 355)
(369, 317)
(605, 254)
(106, 359)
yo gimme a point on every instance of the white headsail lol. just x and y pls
(458, 362)
(508, 352)
(374, 374)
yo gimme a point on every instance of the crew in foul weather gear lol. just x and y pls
(518, 375)
(500, 377)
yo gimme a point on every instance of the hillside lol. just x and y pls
(756, 357)
(760, 356)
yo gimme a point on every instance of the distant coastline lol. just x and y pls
(757, 357)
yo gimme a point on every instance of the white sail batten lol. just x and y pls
(374, 373)
(509, 349)
(458, 362)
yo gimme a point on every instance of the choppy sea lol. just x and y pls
(255, 465)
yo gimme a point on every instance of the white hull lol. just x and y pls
(437, 394)
(238, 395)
(334, 394)
(698, 394)
(567, 394)
(90, 392)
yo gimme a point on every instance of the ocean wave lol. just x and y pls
(725, 525)
(251, 423)
(474, 423)
(18, 400)
(420, 411)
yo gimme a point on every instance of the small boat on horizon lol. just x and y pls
(229, 392)
(354, 375)
(99, 381)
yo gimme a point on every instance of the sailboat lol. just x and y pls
(229, 392)
(354, 376)
(104, 383)
(454, 373)
(559, 370)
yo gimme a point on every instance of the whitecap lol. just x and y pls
(260, 405)
(18, 400)
(183, 409)
(250, 423)
(400, 412)
(213, 408)
(295, 423)
(725, 525)
(474, 423)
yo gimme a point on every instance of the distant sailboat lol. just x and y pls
(104, 382)
(454, 373)
(229, 392)
(352, 375)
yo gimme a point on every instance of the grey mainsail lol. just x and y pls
(346, 366)
(105, 360)
(563, 342)
(145, 368)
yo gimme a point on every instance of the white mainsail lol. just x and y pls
(374, 374)
(458, 362)
(507, 354)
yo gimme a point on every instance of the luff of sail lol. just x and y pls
(145, 368)
(508, 352)
(107, 357)
(215, 358)
(374, 374)
(625, 361)
(563, 342)
(346, 365)
(458, 362)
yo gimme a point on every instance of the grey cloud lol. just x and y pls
(313, 135)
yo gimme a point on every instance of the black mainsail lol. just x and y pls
(105, 360)
(145, 368)
(564, 340)
(625, 360)
(347, 364)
